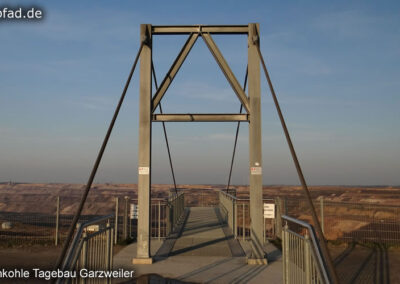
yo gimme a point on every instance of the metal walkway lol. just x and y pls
(204, 251)
(204, 234)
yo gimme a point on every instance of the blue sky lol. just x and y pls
(335, 67)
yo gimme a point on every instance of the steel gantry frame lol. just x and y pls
(149, 103)
(251, 104)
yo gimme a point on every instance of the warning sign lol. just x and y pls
(144, 170)
(134, 211)
(269, 211)
(256, 170)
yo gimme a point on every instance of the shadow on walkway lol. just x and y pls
(203, 233)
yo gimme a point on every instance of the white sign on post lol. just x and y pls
(134, 211)
(256, 171)
(269, 211)
(144, 170)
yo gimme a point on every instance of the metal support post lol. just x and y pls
(285, 251)
(130, 225)
(112, 249)
(84, 254)
(255, 165)
(168, 217)
(235, 228)
(116, 221)
(233, 214)
(108, 250)
(144, 163)
(159, 219)
(307, 259)
(125, 221)
(57, 220)
(244, 222)
(278, 217)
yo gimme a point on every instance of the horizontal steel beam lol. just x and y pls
(200, 117)
(159, 30)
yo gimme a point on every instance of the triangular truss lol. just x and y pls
(174, 69)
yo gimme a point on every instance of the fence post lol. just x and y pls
(116, 221)
(278, 217)
(57, 220)
(125, 223)
(168, 217)
(84, 254)
(307, 258)
(159, 219)
(235, 228)
(244, 220)
(233, 215)
(130, 224)
(322, 214)
(108, 250)
(285, 251)
(264, 235)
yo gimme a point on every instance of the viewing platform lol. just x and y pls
(204, 251)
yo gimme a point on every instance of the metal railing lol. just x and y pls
(176, 206)
(227, 205)
(159, 210)
(92, 249)
(343, 221)
(164, 215)
(302, 257)
(236, 212)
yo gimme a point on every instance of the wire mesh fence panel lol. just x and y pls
(360, 222)
(26, 228)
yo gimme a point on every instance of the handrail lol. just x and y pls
(72, 251)
(317, 248)
(229, 206)
(176, 203)
(241, 199)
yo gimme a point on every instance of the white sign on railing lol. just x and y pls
(134, 211)
(269, 211)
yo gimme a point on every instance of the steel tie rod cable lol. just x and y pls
(96, 164)
(317, 225)
(236, 136)
(165, 131)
